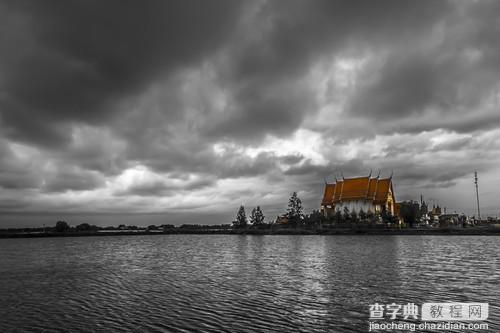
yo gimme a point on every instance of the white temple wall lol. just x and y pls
(356, 206)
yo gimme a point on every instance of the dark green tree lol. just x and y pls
(362, 215)
(410, 212)
(86, 227)
(83, 227)
(257, 217)
(371, 217)
(388, 218)
(294, 211)
(338, 216)
(241, 218)
(62, 226)
(354, 217)
(394, 220)
(314, 219)
(346, 215)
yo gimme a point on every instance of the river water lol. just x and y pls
(235, 283)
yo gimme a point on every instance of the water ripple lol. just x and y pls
(224, 283)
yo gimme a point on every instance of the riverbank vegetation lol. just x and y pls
(292, 222)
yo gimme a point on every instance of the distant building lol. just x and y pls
(436, 210)
(361, 193)
(281, 219)
(446, 220)
(424, 209)
(434, 215)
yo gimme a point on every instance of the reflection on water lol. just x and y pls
(232, 283)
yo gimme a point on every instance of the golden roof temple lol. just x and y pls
(360, 193)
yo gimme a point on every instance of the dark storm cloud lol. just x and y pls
(62, 179)
(14, 174)
(72, 60)
(297, 32)
(401, 86)
(147, 189)
(262, 70)
(267, 64)
(330, 171)
(234, 165)
(434, 175)
(291, 159)
(13, 204)
(261, 110)
(93, 149)
(452, 75)
(465, 122)
(27, 171)
(185, 89)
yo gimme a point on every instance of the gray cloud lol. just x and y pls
(75, 60)
(207, 97)
(62, 179)
(164, 187)
(291, 159)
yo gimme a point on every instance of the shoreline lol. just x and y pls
(488, 231)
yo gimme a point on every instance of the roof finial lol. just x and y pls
(370, 173)
(392, 173)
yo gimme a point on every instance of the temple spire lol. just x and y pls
(368, 185)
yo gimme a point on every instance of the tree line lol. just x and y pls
(295, 217)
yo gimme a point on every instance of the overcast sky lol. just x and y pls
(178, 112)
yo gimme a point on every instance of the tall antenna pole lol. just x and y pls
(477, 196)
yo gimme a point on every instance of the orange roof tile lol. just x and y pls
(372, 188)
(354, 188)
(361, 188)
(328, 195)
(382, 190)
(338, 191)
